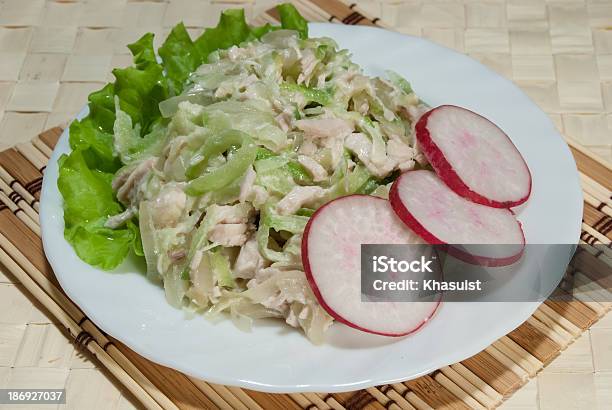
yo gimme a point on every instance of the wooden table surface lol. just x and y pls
(54, 53)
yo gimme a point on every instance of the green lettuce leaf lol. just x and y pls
(258, 32)
(102, 108)
(143, 51)
(88, 201)
(232, 29)
(95, 145)
(180, 57)
(87, 192)
(292, 20)
(141, 88)
(128, 143)
(99, 246)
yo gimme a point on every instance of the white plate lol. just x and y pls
(275, 358)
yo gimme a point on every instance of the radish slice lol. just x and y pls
(440, 216)
(331, 255)
(474, 157)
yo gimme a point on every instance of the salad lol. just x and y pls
(208, 157)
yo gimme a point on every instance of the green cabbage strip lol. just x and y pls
(323, 97)
(299, 173)
(214, 146)
(221, 268)
(235, 166)
(368, 187)
(399, 81)
(355, 181)
(268, 219)
(279, 172)
(305, 212)
(247, 117)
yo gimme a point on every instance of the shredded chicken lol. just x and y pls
(168, 206)
(231, 214)
(127, 182)
(415, 111)
(298, 197)
(315, 169)
(249, 260)
(229, 234)
(246, 186)
(231, 224)
(308, 147)
(325, 127)
(401, 153)
(309, 63)
(116, 221)
(361, 146)
(283, 120)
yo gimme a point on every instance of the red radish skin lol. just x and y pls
(451, 174)
(422, 226)
(315, 285)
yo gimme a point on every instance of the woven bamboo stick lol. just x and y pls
(382, 398)
(554, 326)
(600, 238)
(8, 181)
(560, 339)
(42, 147)
(562, 321)
(15, 198)
(457, 391)
(521, 352)
(20, 201)
(316, 400)
(417, 402)
(596, 292)
(331, 401)
(516, 358)
(311, 11)
(212, 394)
(228, 396)
(595, 203)
(590, 302)
(468, 387)
(32, 155)
(588, 162)
(512, 366)
(603, 253)
(19, 213)
(399, 399)
(245, 398)
(478, 382)
(597, 190)
(301, 400)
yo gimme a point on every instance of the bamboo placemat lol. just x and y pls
(482, 381)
